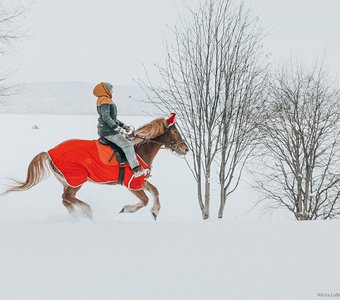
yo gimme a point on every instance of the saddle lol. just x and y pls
(117, 151)
(113, 156)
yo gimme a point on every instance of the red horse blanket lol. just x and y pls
(80, 160)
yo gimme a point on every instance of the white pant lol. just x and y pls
(123, 143)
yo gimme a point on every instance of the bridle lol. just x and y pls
(173, 145)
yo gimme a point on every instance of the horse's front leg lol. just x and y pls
(133, 208)
(155, 194)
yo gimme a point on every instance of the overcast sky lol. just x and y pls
(109, 40)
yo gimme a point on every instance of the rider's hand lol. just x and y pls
(127, 128)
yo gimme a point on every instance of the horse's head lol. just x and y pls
(173, 139)
(162, 132)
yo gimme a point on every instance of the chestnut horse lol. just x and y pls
(148, 140)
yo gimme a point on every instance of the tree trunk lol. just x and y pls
(222, 189)
(222, 202)
(199, 193)
(206, 210)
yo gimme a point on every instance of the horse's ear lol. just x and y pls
(171, 120)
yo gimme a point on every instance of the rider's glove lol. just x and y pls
(127, 128)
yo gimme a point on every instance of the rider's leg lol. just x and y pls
(127, 147)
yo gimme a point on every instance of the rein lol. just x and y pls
(173, 146)
(142, 138)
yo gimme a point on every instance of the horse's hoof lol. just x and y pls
(87, 214)
(154, 216)
(122, 210)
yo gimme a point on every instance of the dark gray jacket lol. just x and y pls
(108, 124)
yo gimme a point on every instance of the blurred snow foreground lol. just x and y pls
(45, 254)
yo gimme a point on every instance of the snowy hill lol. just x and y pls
(73, 98)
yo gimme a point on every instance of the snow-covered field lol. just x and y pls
(45, 254)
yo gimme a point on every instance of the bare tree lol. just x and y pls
(302, 137)
(212, 80)
(242, 101)
(9, 32)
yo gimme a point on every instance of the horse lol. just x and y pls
(148, 140)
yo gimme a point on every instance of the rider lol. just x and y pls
(109, 126)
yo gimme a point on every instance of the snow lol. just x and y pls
(46, 254)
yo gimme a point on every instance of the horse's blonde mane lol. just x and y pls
(149, 131)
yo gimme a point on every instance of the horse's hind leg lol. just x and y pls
(71, 202)
(67, 203)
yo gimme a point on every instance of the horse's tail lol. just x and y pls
(37, 170)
